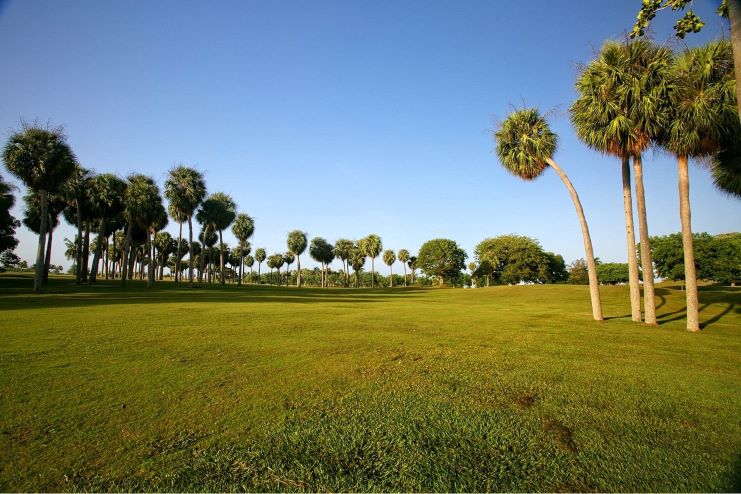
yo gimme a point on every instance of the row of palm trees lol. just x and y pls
(634, 96)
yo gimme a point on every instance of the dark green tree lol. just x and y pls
(442, 258)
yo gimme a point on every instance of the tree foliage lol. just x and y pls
(442, 258)
(717, 258)
(514, 259)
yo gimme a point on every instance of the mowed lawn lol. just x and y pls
(266, 388)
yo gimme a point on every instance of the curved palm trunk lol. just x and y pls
(734, 17)
(124, 261)
(635, 290)
(190, 251)
(47, 259)
(649, 301)
(98, 251)
(221, 259)
(298, 271)
(690, 274)
(591, 264)
(41, 251)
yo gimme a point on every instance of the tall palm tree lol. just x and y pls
(43, 161)
(390, 258)
(288, 259)
(357, 261)
(342, 249)
(177, 215)
(525, 147)
(249, 261)
(78, 212)
(32, 220)
(140, 207)
(164, 244)
(156, 221)
(322, 252)
(8, 223)
(703, 119)
(243, 228)
(185, 188)
(260, 256)
(620, 111)
(106, 193)
(297, 245)
(412, 263)
(222, 211)
(404, 258)
(371, 246)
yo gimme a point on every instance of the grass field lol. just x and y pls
(264, 388)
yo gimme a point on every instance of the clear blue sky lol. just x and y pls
(341, 118)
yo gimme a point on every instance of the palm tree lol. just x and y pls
(260, 256)
(32, 220)
(703, 119)
(525, 146)
(156, 221)
(288, 259)
(106, 194)
(357, 261)
(249, 261)
(321, 251)
(620, 111)
(185, 188)
(78, 212)
(390, 258)
(243, 228)
(371, 246)
(165, 245)
(403, 258)
(297, 245)
(412, 265)
(208, 237)
(141, 203)
(179, 218)
(43, 161)
(221, 211)
(726, 167)
(342, 249)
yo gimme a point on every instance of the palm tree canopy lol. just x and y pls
(704, 115)
(524, 143)
(40, 158)
(219, 210)
(185, 189)
(288, 258)
(389, 257)
(243, 227)
(321, 250)
(357, 258)
(55, 204)
(249, 261)
(208, 237)
(342, 249)
(106, 195)
(142, 201)
(726, 166)
(371, 245)
(296, 242)
(163, 242)
(260, 254)
(621, 107)
(403, 255)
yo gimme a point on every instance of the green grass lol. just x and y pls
(264, 388)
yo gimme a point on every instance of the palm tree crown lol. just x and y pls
(525, 143)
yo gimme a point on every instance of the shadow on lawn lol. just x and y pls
(64, 292)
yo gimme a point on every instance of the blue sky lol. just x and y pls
(342, 118)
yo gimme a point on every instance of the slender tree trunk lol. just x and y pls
(178, 255)
(41, 251)
(633, 278)
(125, 253)
(690, 274)
(98, 250)
(259, 280)
(373, 272)
(86, 253)
(298, 271)
(190, 251)
(734, 17)
(150, 256)
(78, 270)
(404, 265)
(105, 260)
(47, 258)
(391, 277)
(221, 259)
(591, 264)
(649, 301)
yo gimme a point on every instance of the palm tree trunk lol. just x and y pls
(221, 259)
(177, 254)
(404, 265)
(635, 290)
(190, 251)
(78, 270)
(298, 271)
(41, 251)
(690, 274)
(591, 264)
(391, 277)
(150, 255)
(47, 259)
(86, 253)
(126, 248)
(649, 301)
(259, 280)
(373, 272)
(734, 17)
(241, 265)
(98, 250)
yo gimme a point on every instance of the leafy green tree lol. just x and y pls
(518, 259)
(185, 189)
(260, 256)
(322, 252)
(342, 251)
(390, 258)
(578, 274)
(442, 258)
(297, 245)
(555, 269)
(691, 23)
(621, 110)
(8, 223)
(525, 147)
(404, 258)
(9, 260)
(613, 273)
(703, 118)
(43, 161)
(717, 258)
(243, 228)
(106, 195)
(371, 246)
(221, 212)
